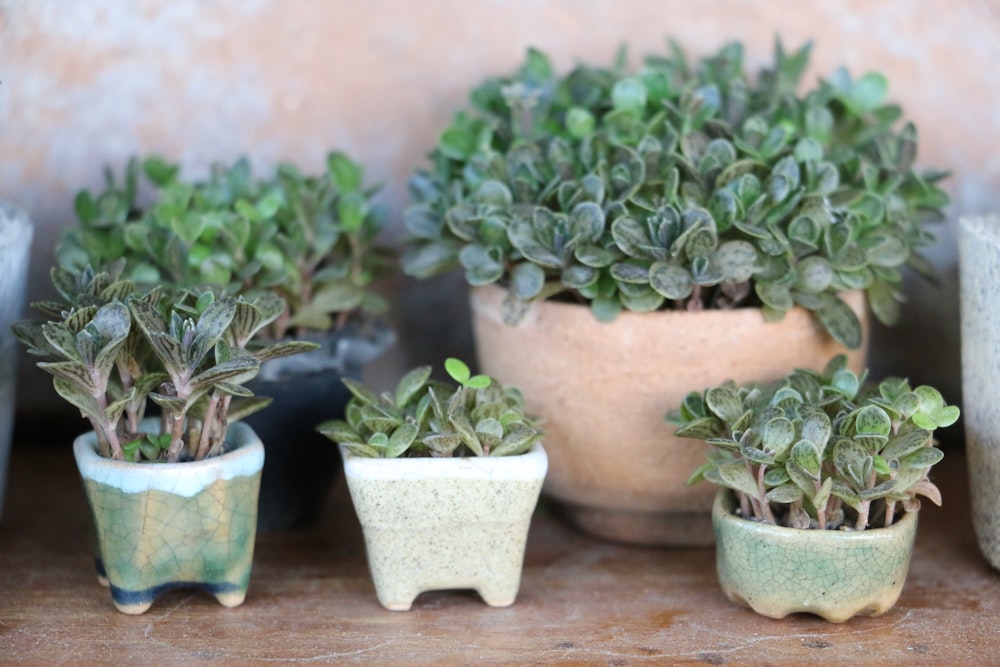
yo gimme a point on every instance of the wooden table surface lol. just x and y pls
(582, 601)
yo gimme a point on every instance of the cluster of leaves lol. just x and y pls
(819, 450)
(478, 417)
(679, 185)
(111, 347)
(309, 239)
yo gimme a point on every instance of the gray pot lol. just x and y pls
(307, 389)
(15, 243)
(979, 280)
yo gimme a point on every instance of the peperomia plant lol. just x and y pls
(111, 348)
(679, 185)
(309, 239)
(819, 450)
(422, 417)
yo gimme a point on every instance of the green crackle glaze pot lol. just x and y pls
(777, 571)
(445, 523)
(161, 526)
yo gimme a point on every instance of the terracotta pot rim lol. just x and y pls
(716, 313)
(725, 501)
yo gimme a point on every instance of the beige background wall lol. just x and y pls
(89, 82)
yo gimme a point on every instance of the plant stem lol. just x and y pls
(744, 505)
(176, 438)
(762, 490)
(206, 427)
(890, 511)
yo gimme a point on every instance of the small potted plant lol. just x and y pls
(174, 497)
(630, 223)
(311, 240)
(16, 231)
(444, 480)
(821, 475)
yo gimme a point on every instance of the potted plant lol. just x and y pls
(311, 240)
(15, 246)
(979, 265)
(444, 480)
(174, 497)
(820, 477)
(621, 228)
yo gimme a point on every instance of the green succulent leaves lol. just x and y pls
(479, 417)
(679, 185)
(819, 449)
(310, 239)
(113, 347)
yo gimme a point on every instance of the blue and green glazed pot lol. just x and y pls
(161, 526)
(835, 574)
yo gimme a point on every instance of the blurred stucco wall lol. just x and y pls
(91, 82)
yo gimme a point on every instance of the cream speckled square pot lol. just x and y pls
(445, 523)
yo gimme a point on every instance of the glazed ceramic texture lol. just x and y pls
(979, 252)
(445, 523)
(603, 390)
(16, 231)
(161, 526)
(777, 571)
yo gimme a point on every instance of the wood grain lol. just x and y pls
(582, 601)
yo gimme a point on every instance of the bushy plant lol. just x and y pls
(112, 347)
(310, 239)
(679, 185)
(422, 417)
(819, 449)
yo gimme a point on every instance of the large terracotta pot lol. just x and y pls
(604, 388)
(979, 253)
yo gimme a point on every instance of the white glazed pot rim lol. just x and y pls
(528, 466)
(183, 479)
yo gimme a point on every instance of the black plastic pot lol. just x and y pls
(299, 463)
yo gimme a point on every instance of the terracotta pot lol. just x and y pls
(604, 388)
(836, 574)
(445, 523)
(979, 254)
(15, 245)
(161, 526)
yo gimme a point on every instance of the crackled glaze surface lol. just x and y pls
(979, 249)
(165, 526)
(603, 389)
(777, 571)
(436, 524)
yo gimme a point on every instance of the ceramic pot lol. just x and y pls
(161, 526)
(445, 523)
(979, 275)
(15, 245)
(835, 574)
(307, 389)
(604, 388)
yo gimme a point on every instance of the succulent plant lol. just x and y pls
(112, 347)
(309, 239)
(422, 417)
(819, 450)
(679, 185)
